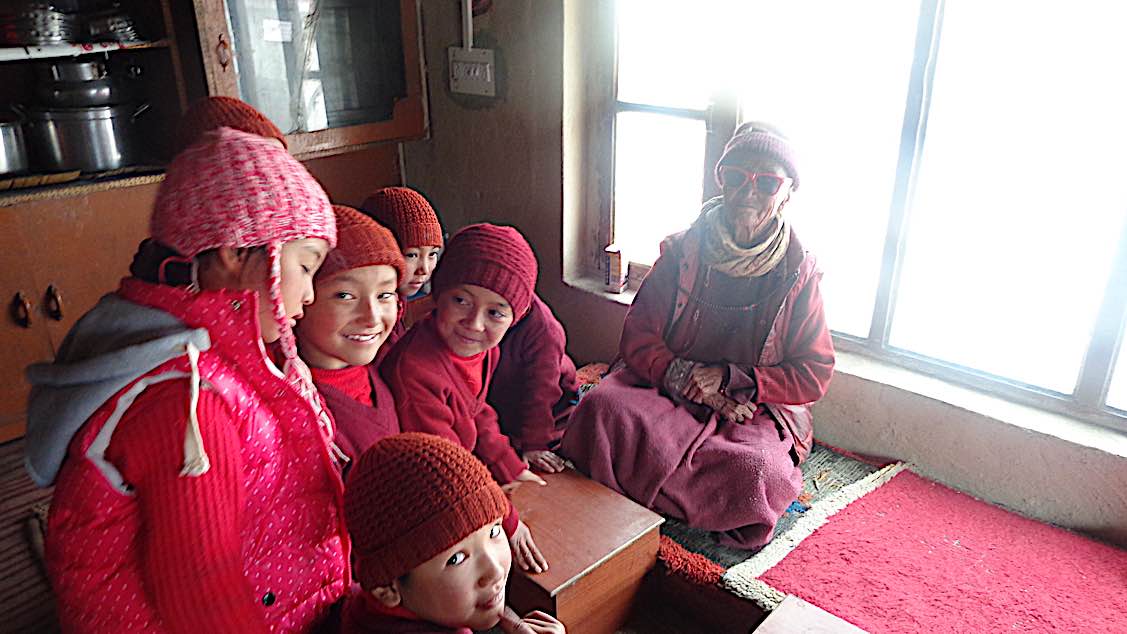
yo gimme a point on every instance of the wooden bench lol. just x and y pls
(599, 545)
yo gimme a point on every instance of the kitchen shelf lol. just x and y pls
(49, 51)
(79, 187)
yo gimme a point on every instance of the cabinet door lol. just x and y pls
(87, 244)
(23, 341)
(344, 74)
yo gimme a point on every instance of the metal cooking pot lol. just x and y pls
(82, 85)
(87, 139)
(13, 150)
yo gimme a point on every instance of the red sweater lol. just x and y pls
(534, 386)
(432, 396)
(361, 405)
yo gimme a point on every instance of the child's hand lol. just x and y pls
(527, 553)
(543, 460)
(535, 622)
(523, 476)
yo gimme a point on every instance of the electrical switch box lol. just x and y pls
(472, 71)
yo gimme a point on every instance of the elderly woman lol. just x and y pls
(706, 417)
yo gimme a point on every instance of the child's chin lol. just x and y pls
(487, 620)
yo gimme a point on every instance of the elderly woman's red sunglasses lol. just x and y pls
(736, 177)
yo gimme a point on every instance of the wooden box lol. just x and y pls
(598, 543)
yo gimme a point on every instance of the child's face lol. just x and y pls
(420, 264)
(471, 319)
(463, 586)
(353, 315)
(299, 261)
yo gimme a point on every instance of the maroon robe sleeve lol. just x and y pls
(493, 447)
(421, 401)
(643, 345)
(804, 372)
(538, 352)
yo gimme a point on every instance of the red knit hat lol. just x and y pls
(411, 496)
(493, 257)
(409, 216)
(754, 138)
(209, 113)
(361, 242)
(234, 189)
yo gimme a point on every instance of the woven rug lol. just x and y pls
(824, 473)
(899, 553)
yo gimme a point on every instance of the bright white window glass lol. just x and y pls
(833, 76)
(1021, 191)
(1117, 392)
(664, 53)
(657, 180)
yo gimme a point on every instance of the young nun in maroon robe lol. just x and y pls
(440, 371)
(355, 309)
(707, 416)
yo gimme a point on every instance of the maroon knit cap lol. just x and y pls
(409, 216)
(361, 242)
(210, 113)
(756, 139)
(411, 496)
(490, 256)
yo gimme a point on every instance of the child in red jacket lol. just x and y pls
(355, 310)
(416, 228)
(440, 371)
(425, 519)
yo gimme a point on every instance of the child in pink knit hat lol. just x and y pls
(195, 484)
(440, 371)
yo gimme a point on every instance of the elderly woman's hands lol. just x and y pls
(704, 381)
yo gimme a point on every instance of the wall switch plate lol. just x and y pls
(472, 71)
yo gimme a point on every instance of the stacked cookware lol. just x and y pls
(81, 116)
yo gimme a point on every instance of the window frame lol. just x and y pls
(1088, 400)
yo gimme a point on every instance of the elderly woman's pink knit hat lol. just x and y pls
(234, 189)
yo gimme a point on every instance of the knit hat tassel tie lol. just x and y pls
(196, 462)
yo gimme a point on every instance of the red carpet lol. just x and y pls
(914, 556)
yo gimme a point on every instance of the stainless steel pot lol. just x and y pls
(13, 150)
(82, 85)
(87, 139)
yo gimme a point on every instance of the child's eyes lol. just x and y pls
(456, 559)
(433, 255)
(496, 314)
(459, 300)
(495, 532)
(345, 295)
(383, 297)
(410, 256)
(305, 269)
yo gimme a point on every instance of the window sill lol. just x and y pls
(996, 408)
(594, 285)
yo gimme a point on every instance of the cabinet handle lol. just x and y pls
(54, 303)
(21, 310)
(223, 52)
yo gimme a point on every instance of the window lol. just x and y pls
(960, 171)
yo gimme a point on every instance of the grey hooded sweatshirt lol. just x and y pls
(114, 344)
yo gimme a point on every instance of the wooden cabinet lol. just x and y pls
(349, 74)
(57, 257)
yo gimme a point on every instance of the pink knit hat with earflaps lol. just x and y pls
(238, 190)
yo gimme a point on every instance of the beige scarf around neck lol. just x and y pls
(721, 252)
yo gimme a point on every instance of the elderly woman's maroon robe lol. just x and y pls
(679, 458)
